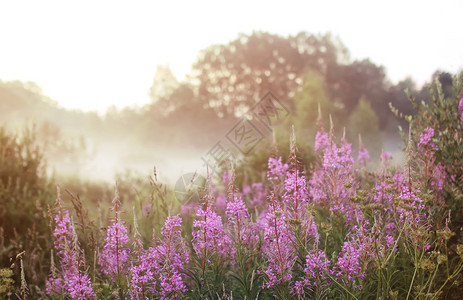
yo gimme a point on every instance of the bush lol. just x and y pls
(25, 194)
(443, 114)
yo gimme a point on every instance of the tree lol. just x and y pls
(164, 83)
(361, 78)
(235, 76)
(364, 121)
(312, 94)
(397, 96)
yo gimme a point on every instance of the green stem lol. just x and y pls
(379, 284)
(411, 284)
(395, 245)
(431, 279)
(341, 286)
(455, 273)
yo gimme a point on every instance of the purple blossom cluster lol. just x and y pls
(316, 268)
(236, 210)
(238, 219)
(385, 157)
(426, 139)
(322, 141)
(349, 264)
(114, 259)
(333, 182)
(363, 157)
(296, 188)
(70, 277)
(158, 269)
(276, 169)
(210, 236)
(277, 250)
(316, 265)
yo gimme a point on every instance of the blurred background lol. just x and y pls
(108, 89)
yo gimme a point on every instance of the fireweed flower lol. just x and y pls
(411, 207)
(172, 247)
(276, 169)
(296, 193)
(70, 279)
(142, 275)
(384, 195)
(172, 256)
(241, 230)
(227, 178)
(218, 194)
(159, 268)
(171, 282)
(280, 255)
(363, 157)
(79, 286)
(434, 172)
(316, 267)
(63, 244)
(328, 182)
(78, 282)
(333, 183)
(349, 264)
(397, 196)
(295, 184)
(381, 240)
(321, 141)
(425, 139)
(54, 285)
(210, 237)
(63, 233)
(386, 190)
(316, 264)
(237, 214)
(247, 189)
(385, 157)
(137, 270)
(114, 259)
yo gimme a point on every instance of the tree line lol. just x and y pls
(302, 70)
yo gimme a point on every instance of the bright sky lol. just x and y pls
(93, 54)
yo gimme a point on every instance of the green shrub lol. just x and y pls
(442, 114)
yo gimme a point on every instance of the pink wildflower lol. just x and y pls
(425, 139)
(277, 249)
(71, 278)
(210, 236)
(114, 259)
(276, 169)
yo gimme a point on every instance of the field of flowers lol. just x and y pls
(338, 231)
